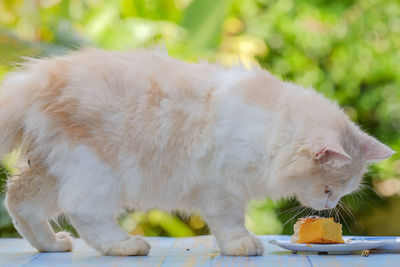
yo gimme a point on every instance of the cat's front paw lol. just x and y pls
(245, 246)
(62, 243)
(134, 246)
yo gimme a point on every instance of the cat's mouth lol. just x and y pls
(322, 204)
(317, 207)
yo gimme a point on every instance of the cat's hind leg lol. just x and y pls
(95, 219)
(31, 201)
(103, 233)
(91, 198)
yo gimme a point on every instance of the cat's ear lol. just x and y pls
(373, 150)
(332, 152)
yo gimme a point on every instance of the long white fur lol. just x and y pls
(239, 149)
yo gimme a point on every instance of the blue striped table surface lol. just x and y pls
(190, 251)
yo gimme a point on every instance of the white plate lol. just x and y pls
(354, 245)
(390, 243)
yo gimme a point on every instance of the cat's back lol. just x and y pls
(92, 72)
(142, 101)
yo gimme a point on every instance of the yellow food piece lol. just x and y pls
(318, 231)
(365, 253)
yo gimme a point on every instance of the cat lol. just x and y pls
(105, 130)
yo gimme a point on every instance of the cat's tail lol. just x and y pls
(13, 106)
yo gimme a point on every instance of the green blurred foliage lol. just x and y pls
(347, 49)
(7, 169)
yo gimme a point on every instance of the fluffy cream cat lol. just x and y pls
(107, 130)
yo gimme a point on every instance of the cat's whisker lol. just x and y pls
(347, 207)
(336, 214)
(352, 199)
(301, 210)
(363, 193)
(344, 220)
(312, 212)
(358, 199)
(289, 210)
(330, 212)
(366, 187)
(347, 210)
(309, 212)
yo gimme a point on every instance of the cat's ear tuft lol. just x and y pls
(373, 150)
(333, 151)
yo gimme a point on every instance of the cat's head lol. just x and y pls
(329, 155)
(335, 168)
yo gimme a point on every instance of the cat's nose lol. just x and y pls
(331, 204)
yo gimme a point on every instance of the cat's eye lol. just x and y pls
(328, 191)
